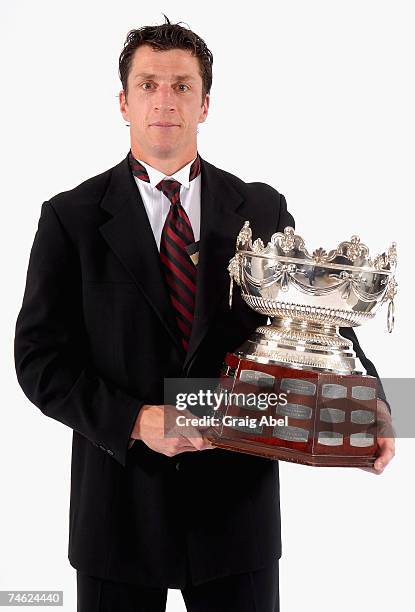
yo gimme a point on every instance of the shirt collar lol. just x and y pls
(156, 176)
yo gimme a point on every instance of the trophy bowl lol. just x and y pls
(309, 295)
(330, 415)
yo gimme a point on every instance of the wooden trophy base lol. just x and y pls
(320, 418)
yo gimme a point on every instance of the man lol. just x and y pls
(113, 305)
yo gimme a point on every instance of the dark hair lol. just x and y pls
(163, 38)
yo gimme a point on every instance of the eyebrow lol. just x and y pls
(176, 77)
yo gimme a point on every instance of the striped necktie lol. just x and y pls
(179, 270)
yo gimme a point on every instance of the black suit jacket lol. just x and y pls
(95, 338)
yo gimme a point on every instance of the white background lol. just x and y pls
(314, 98)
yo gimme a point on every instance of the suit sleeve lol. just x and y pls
(349, 333)
(287, 219)
(51, 349)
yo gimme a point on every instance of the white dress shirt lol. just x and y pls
(157, 205)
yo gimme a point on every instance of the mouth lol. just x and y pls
(163, 124)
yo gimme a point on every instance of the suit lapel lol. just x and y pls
(129, 235)
(219, 227)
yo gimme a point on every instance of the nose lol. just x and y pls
(164, 98)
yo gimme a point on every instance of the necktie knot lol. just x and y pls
(171, 189)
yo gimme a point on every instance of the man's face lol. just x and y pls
(164, 103)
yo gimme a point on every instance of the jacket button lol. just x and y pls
(178, 465)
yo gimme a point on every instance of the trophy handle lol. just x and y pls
(390, 294)
(234, 273)
(230, 292)
(390, 319)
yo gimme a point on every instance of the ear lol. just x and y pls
(123, 105)
(205, 109)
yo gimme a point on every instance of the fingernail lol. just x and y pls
(379, 466)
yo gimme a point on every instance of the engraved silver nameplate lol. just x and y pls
(296, 385)
(295, 411)
(294, 434)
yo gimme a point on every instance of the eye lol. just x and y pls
(183, 85)
(144, 85)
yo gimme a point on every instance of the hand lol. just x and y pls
(153, 420)
(386, 440)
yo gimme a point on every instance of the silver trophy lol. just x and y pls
(330, 415)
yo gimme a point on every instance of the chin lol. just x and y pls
(163, 150)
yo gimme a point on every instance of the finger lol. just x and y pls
(186, 449)
(376, 469)
(371, 470)
(178, 443)
(387, 452)
(208, 444)
(195, 438)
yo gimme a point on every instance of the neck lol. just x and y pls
(166, 165)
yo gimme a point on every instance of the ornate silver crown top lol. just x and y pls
(291, 246)
(344, 285)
